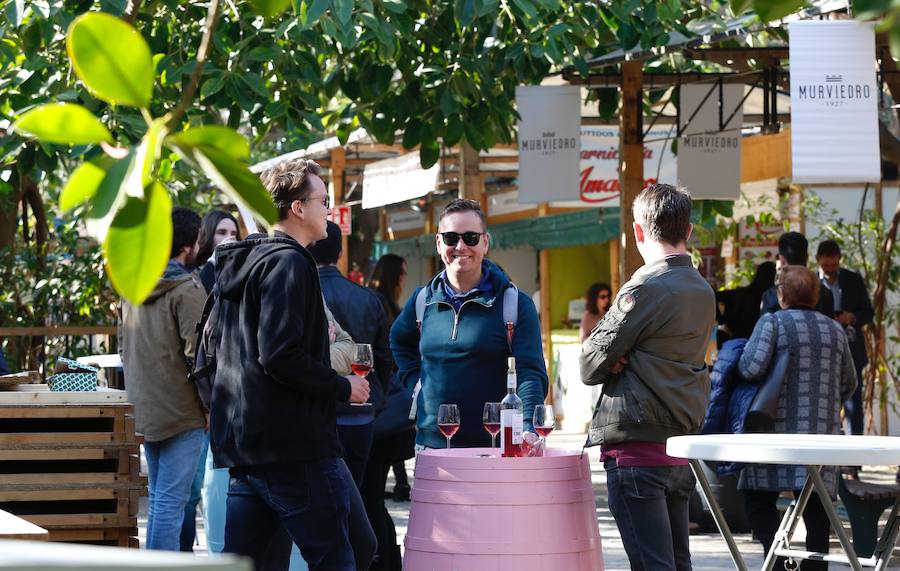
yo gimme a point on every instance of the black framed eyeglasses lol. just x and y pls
(469, 238)
(326, 199)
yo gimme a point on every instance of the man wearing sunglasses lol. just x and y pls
(273, 403)
(459, 350)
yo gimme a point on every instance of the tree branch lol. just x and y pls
(131, 11)
(190, 90)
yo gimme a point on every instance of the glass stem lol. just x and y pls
(493, 440)
(448, 442)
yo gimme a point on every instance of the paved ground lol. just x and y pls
(708, 550)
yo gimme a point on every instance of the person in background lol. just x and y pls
(273, 403)
(158, 350)
(459, 355)
(853, 310)
(395, 434)
(4, 367)
(596, 304)
(217, 226)
(820, 378)
(648, 354)
(360, 313)
(741, 305)
(793, 251)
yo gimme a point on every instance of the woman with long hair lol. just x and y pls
(394, 432)
(217, 226)
(596, 303)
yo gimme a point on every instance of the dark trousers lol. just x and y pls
(384, 453)
(762, 512)
(650, 506)
(357, 441)
(316, 501)
(853, 408)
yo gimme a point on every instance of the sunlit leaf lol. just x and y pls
(111, 58)
(109, 196)
(769, 10)
(83, 184)
(224, 139)
(64, 123)
(234, 178)
(269, 8)
(139, 243)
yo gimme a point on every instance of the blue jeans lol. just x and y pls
(316, 501)
(357, 442)
(650, 506)
(189, 527)
(171, 464)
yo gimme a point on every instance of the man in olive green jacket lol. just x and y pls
(648, 354)
(157, 347)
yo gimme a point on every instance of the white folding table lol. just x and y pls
(812, 451)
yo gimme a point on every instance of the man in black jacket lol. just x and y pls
(360, 313)
(793, 251)
(853, 310)
(273, 404)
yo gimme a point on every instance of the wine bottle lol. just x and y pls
(511, 416)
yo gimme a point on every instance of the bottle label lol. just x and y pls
(513, 419)
(511, 381)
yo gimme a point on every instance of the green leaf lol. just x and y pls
(527, 7)
(256, 83)
(269, 8)
(464, 12)
(429, 154)
(111, 58)
(235, 179)
(343, 10)
(395, 6)
(223, 139)
(83, 184)
(139, 243)
(15, 11)
(870, 9)
(311, 11)
(894, 41)
(738, 7)
(149, 150)
(109, 196)
(769, 10)
(212, 86)
(65, 124)
(608, 101)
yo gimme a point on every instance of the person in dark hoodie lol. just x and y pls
(272, 417)
(157, 347)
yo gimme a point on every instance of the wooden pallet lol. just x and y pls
(71, 466)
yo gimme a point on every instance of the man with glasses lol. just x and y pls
(458, 352)
(273, 403)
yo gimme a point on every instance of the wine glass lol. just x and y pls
(362, 359)
(543, 421)
(491, 419)
(448, 420)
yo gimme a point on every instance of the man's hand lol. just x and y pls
(359, 389)
(618, 367)
(845, 318)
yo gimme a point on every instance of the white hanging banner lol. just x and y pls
(549, 141)
(709, 149)
(834, 102)
(397, 179)
(598, 173)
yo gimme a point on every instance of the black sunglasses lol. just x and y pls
(469, 238)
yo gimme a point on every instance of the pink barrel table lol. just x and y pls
(474, 511)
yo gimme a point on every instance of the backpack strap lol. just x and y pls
(420, 307)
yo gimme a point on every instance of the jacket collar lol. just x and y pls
(497, 278)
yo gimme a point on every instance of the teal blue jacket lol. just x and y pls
(460, 358)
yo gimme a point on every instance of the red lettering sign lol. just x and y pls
(340, 215)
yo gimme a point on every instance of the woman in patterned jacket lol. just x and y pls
(818, 381)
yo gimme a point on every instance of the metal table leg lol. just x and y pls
(788, 525)
(885, 546)
(716, 512)
(836, 523)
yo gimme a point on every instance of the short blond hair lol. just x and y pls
(798, 286)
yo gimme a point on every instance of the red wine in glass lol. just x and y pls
(448, 429)
(493, 428)
(543, 431)
(360, 369)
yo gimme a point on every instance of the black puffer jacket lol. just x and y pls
(273, 400)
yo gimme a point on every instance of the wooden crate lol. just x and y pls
(70, 463)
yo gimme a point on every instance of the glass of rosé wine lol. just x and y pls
(491, 421)
(448, 421)
(543, 421)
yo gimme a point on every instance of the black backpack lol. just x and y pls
(209, 331)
